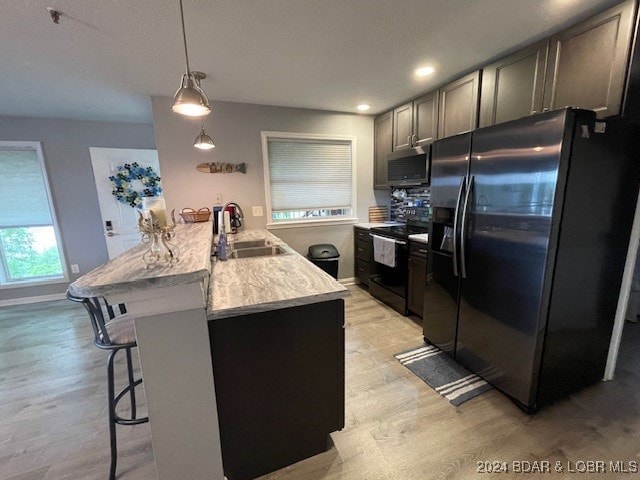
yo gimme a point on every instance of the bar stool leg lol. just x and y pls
(132, 393)
(112, 415)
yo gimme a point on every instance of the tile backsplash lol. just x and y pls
(402, 198)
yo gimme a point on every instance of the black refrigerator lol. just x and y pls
(529, 232)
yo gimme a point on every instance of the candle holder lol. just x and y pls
(161, 250)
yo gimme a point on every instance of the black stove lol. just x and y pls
(401, 232)
(417, 222)
(394, 231)
(389, 283)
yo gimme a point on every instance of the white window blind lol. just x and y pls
(22, 189)
(309, 174)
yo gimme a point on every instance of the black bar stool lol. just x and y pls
(115, 335)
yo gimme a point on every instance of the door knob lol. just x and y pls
(111, 233)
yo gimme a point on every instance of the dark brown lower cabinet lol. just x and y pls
(279, 379)
(417, 277)
(363, 254)
(417, 280)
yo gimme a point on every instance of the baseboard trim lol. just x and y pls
(348, 281)
(26, 300)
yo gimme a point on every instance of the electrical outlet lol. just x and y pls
(75, 268)
(217, 199)
(257, 211)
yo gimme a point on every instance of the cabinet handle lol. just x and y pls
(422, 250)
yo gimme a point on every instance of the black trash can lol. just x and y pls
(326, 257)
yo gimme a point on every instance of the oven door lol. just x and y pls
(389, 284)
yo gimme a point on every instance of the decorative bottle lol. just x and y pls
(222, 245)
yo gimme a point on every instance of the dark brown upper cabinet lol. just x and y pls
(458, 106)
(583, 66)
(383, 142)
(416, 123)
(588, 62)
(512, 87)
(402, 126)
(425, 119)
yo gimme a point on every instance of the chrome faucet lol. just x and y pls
(236, 219)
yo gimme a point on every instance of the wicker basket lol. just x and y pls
(189, 215)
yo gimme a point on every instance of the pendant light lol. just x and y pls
(190, 99)
(204, 141)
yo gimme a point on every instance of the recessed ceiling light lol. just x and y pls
(423, 71)
(363, 107)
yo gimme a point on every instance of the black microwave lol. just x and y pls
(410, 167)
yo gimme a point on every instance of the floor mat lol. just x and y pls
(443, 374)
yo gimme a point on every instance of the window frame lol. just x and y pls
(4, 274)
(319, 221)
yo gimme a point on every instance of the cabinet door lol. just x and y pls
(362, 271)
(417, 281)
(512, 87)
(402, 126)
(363, 250)
(458, 106)
(362, 254)
(282, 373)
(425, 118)
(383, 141)
(588, 62)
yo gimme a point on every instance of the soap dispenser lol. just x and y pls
(222, 238)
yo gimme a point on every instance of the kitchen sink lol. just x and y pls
(256, 251)
(250, 244)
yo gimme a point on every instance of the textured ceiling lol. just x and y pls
(106, 57)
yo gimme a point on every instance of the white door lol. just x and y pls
(119, 220)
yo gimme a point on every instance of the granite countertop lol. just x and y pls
(250, 285)
(126, 272)
(236, 286)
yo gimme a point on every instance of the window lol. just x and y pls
(308, 178)
(29, 240)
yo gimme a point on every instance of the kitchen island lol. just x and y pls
(182, 312)
(277, 345)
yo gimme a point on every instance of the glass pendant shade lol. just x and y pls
(190, 99)
(204, 141)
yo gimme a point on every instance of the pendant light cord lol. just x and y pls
(184, 37)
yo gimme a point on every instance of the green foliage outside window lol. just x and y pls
(23, 260)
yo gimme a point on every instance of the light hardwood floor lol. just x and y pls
(53, 409)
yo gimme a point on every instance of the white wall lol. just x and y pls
(235, 128)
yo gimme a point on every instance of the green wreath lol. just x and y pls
(121, 183)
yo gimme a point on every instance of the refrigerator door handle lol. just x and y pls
(455, 227)
(463, 230)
